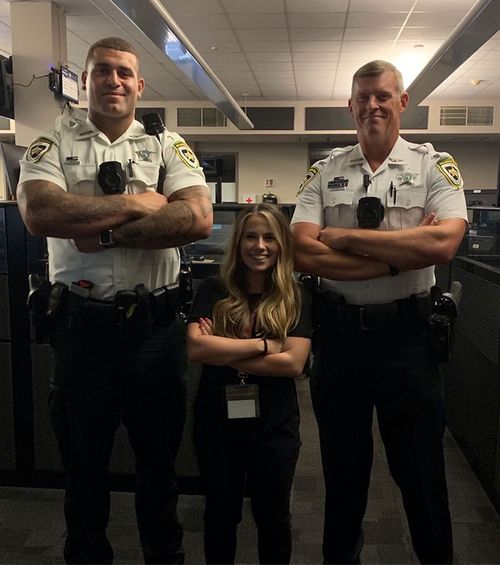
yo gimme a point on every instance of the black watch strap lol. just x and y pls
(106, 238)
(393, 270)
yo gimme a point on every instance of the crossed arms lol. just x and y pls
(358, 254)
(283, 359)
(148, 220)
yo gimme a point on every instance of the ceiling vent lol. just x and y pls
(201, 117)
(466, 116)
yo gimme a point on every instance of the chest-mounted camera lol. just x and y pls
(370, 212)
(111, 177)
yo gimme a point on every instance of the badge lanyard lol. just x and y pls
(242, 399)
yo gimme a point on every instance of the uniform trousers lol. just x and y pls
(263, 470)
(388, 367)
(100, 380)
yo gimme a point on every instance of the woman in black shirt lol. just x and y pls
(251, 329)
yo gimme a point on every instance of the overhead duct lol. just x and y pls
(479, 24)
(153, 20)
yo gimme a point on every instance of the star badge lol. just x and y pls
(144, 154)
(407, 178)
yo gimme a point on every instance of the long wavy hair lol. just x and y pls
(278, 309)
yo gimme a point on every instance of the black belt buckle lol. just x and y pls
(356, 317)
(361, 318)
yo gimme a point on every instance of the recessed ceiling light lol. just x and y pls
(418, 46)
(475, 81)
(215, 48)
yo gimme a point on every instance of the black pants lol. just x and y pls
(99, 380)
(388, 368)
(263, 469)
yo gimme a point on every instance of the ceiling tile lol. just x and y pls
(421, 34)
(371, 34)
(381, 5)
(256, 35)
(315, 34)
(336, 19)
(270, 47)
(192, 6)
(370, 19)
(430, 18)
(257, 21)
(213, 22)
(311, 6)
(253, 6)
(270, 57)
(315, 46)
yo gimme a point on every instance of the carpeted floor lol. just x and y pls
(32, 524)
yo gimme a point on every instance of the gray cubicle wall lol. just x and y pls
(473, 375)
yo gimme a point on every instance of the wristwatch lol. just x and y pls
(106, 238)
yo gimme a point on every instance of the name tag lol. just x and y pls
(242, 401)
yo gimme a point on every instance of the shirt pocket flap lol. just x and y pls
(407, 197)
(145, 173)
(76, 174)
(338, 197)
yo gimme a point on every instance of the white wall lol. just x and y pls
(285, 162)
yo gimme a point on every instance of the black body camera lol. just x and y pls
(111, 177)
(153, 124)
(370, 212)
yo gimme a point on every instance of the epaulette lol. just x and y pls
(341, 150)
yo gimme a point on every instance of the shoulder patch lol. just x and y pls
(311, 173)
(449, 169)
(186, 154)
(38, 149)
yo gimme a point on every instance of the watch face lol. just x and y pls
(106, 238)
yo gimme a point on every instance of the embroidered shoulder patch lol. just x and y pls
(186, 154)
(449, 169)
(38, 149)
(311, 173)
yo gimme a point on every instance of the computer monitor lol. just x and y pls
(11, 155)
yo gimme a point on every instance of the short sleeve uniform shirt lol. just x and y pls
(423, 181)
(69, 156)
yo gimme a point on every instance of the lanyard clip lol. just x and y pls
(242, 376)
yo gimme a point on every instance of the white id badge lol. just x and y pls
(242, 402)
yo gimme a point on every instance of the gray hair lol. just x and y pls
(375, 68)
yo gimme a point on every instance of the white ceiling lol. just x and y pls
(290, 49)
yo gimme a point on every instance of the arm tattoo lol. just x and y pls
(170, 227)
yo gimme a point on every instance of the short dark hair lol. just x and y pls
(375, 68)
(116, 43)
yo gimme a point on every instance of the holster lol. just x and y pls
(46, 304)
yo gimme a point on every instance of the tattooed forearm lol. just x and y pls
(181, 221)
(170, 227)
(48, 210)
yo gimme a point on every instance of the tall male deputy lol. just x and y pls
(371, 221)
(90, 186)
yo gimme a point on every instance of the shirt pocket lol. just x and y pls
(144, 175)
(81, 179)
(338, 207)
(407, 208)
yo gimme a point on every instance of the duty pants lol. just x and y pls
(100, 380)
(389, 369)
(263, 469)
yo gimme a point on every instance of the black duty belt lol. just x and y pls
(402, 313)
(129, 306)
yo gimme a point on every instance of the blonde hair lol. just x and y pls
(375, 68)
(278, 310)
